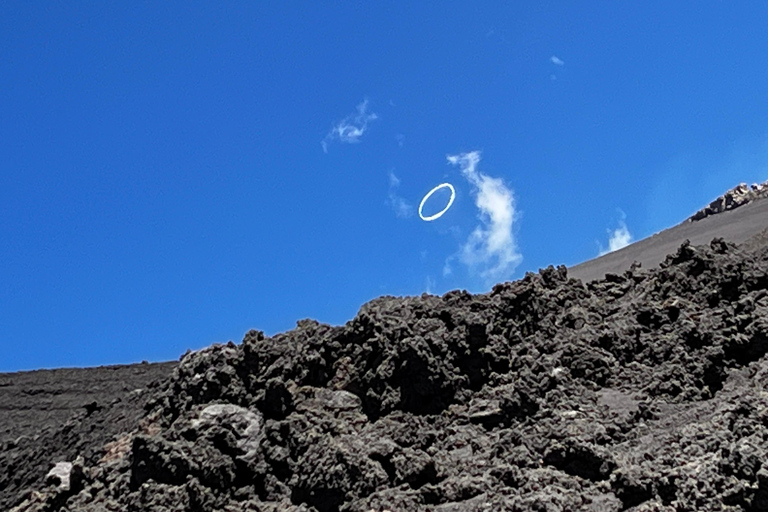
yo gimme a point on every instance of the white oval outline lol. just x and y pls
(440, 213)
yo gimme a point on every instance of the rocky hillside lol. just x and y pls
(643, 391)
(734, 198)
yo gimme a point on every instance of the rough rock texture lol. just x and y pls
(55, 416)
(643, 391)
(734, 198)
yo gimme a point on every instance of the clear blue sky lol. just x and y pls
(173, 174)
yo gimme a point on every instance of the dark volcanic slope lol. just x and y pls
(738, 226)
(58, 415)
(31, 400)
(644, 391)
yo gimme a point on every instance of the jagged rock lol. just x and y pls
(734, 198)
(67, 478)
(642, 391)
(59, 475)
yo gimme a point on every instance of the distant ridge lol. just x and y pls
(739, 216)
(734, 198)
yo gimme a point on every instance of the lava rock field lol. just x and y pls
(642, 391)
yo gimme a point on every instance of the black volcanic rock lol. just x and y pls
(52, 416)
(641, 391)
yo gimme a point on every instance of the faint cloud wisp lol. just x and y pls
(429, 285)
(351, 128)
(619, 239)
(490, 249)
(557, 61)
(403, 209)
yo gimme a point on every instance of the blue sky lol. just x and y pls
(174, 174)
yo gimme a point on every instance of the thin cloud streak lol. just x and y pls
(402, 208)
(429, 285)
(350, 129)
(556, 60)
(490, 249)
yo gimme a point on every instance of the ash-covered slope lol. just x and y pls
(641, 391)
(742, 222)
(32, 400)
(62, 414)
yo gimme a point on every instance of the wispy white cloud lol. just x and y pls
(351, 128)
(429, 285)
(557, 61)
(490, 249)
(401, 207)
(619, 238)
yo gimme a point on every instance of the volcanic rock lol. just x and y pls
(734, 198)
(641, 388)
(641, 391)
